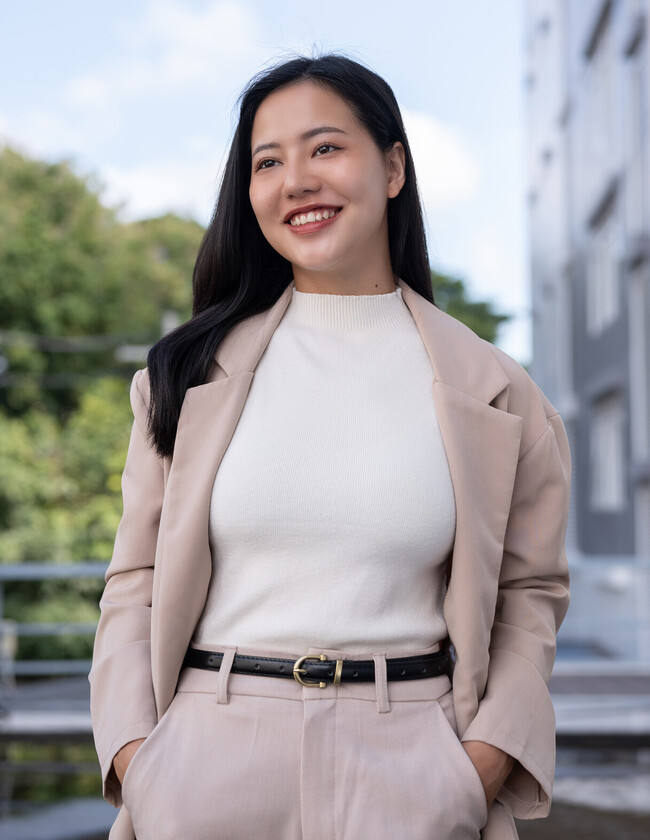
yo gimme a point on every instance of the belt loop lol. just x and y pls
(381, 682)
(221, 695)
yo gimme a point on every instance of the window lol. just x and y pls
(639, 320)
(642, 519)
(599, 88)
(602, 286)
(637, 115)
(607, 456)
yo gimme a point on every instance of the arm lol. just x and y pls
(121, 693)
(516, 715)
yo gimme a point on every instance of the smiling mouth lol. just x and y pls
(318, 215)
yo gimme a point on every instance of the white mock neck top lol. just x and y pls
(332, 512)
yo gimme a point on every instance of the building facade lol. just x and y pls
(588, 156)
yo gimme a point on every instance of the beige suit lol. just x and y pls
(508, 591)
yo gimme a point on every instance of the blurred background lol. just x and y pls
(529, 127)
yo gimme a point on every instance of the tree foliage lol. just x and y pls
(75, 285)
(69, 269)
(451, 296)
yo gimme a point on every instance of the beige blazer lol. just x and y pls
(508, 590)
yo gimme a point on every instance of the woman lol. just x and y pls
(328, 481)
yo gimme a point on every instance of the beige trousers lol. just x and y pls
(243, 757)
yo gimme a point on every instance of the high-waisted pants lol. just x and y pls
(248, 757)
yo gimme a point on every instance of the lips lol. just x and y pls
(307, 228)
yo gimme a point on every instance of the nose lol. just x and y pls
(299, 178)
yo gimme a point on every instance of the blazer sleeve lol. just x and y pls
(516, 713)
(121, 693)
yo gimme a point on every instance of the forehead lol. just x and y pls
(292, 110)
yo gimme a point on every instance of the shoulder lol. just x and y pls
(523, 387)
(464, 348)
(525, 398)
(519, 394)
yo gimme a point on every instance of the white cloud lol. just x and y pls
(174, 49)
(185, 185)
(495, 264)
(447, 169)
(497, 270)
(491, 259)
(177, 52)
(51, 134)
(515, 338)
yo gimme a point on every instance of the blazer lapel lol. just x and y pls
(209, 415)
(482, 446)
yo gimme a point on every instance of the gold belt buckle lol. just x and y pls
(298, 670)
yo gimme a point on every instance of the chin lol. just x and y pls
(318, 262)
(320, 268)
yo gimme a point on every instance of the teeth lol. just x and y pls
(312, 216)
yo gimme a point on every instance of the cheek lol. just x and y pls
(260, 193)
(264, 210)
(363, 184)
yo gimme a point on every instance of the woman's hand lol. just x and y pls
(123, 757)
(492, 764)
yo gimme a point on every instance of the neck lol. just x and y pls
(338, 286)
(363, 277)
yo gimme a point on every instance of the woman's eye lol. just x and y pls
(326, 147)
(267, 163)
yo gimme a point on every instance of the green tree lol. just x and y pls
(60, 502)
(75, 284)
(450, 295)
(70, 269)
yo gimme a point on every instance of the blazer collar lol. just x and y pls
(458, 356)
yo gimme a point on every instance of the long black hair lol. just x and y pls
(237, 273)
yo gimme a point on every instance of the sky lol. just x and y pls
(141, 96)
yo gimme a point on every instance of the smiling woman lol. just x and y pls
(333, 485)
(322, 173)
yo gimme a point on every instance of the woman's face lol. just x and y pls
(319, 184)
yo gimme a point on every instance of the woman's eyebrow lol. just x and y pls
(306, 135)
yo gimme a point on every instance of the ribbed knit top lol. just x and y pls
(332, 511)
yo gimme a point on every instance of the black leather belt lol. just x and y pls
(316, 670)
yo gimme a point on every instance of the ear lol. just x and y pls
(395, 168)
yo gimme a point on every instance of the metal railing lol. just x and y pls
(11, 631)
